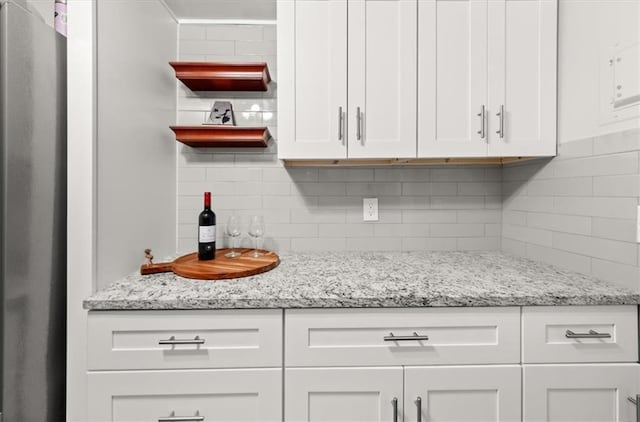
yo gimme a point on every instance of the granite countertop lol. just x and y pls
(370, 279)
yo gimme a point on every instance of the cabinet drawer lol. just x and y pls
(558, 334)
(208, 395)
(361, 337)
(184, 339)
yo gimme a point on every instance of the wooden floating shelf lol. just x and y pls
(206, 76)
(218, 136)
(479, 161)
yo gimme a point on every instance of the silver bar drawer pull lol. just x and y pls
(500, 131)
(175, 341)
(414, 337)
(590, 334)
(340, 124)
(481, 132)
(394, 403)
(419, 406)
(359, 125)
(173, 418)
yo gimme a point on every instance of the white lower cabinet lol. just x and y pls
(212, 395)
(343, 394)
(580, 393)
(462, 393)
(509, 364)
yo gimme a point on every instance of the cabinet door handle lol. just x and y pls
(590, 334)
(359, 125)
(481, 132)
(173, 418)
(636, 402)
(394, 403)
(419, 406)
(500, 131)
(174, 341)
(340, 125)
(414, 337)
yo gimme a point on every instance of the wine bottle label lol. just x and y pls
(207, 234)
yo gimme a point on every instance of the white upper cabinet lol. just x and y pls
(522, 77)
(382, 78)
(312, 82)
(315, 120)
(416, 78)
(487, 78)
(452, 83)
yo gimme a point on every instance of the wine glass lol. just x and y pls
(256, 230)
(233, 231)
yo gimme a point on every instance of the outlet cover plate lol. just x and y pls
(370, 209)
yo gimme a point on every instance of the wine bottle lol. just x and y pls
(207, 231)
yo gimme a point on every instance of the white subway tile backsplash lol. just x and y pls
(207, 47)
(235, 32)
(478, 243)
(625, 163)
(345, 175)
(610, 250)
(191, 174)
(527, 235)
(458, 174)
(560, 223)
(319, 189)
(480, 189)
(409, 174)
(457, 230)
(615, 229)
(346, 230)
(429, 244)
(318, 215)
(255, 48)
(374, 189)
(628, 140)
(457, 202)
(596, 206)
(319, 244)
(480, 216)
(400, 230)
(374, 243)
(233, 174)
(568, 260)
(621, 274)
(429, 216)
(625, 185)
(291, 230)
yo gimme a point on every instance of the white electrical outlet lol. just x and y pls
(370, 209)
(638, 225)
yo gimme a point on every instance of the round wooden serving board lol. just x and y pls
(217, 269)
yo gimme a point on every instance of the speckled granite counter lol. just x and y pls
(360, 279)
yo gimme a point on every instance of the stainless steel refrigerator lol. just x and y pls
(33, 216)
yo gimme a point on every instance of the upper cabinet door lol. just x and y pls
(382, 78)
(312, 78)
(452, 78)
(522, 77)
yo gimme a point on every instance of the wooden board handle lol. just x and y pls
(161, 267)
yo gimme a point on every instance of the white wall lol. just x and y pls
(588, 32)
(136, 167)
